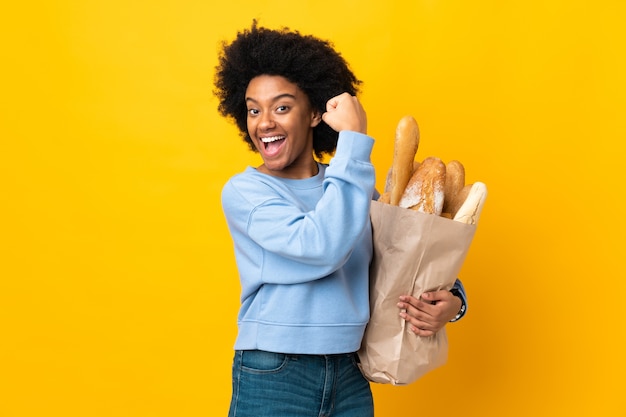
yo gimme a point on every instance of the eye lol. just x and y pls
(282, 109)
(253, 112)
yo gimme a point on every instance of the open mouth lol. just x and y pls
(272, 143)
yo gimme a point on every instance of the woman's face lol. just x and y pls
(280, 124)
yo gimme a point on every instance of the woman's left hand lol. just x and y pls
(431, 312)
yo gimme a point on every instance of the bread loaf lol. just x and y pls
(470, 210)
(455, 181)
(425, 190)
(454, 203)
(405, 147)
(430, 186)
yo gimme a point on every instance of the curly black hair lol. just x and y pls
(307, 61)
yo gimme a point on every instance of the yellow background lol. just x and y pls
(118, 290)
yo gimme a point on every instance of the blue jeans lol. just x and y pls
(269, 384)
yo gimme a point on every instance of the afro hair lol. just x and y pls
(307, 61)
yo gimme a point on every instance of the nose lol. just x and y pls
(266, 121)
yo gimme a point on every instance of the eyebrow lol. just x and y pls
(278, 97)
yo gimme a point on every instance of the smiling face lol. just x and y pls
(280, 124)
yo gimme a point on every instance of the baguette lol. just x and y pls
(454, 203)
(405, 147)
(470, 210)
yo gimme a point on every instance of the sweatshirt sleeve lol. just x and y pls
(300, 245)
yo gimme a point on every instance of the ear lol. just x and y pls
(317, 118)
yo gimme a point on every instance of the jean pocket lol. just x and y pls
(259, 361)
(356, 361)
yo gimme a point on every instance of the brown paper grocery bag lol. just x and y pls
(413, 253)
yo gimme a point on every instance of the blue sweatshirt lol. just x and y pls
(303, 249)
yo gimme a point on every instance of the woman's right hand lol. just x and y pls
(345, 112)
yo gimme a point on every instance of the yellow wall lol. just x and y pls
(118, 289)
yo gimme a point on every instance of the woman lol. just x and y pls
(301, 230)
